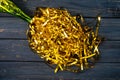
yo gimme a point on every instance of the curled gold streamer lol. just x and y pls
(58, 38)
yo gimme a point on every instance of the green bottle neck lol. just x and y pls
(9, 7)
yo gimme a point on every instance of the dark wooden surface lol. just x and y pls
(18, 62)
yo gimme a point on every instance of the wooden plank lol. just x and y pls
(18, 50)
(108, 8)
(18, 62)
(16, 28)
(40, 71)
(110, 29)
(13, 28)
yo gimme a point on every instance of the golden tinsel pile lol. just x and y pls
(59, 39)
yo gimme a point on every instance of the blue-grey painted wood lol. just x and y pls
(16, 28)
(108, 8)
(40, 71)
(13, 28)
(18, 50)
(18, 62)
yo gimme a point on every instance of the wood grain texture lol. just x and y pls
(18, 62)
(108, 8)
(39, 71)
(18, 50)
(16, 28)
